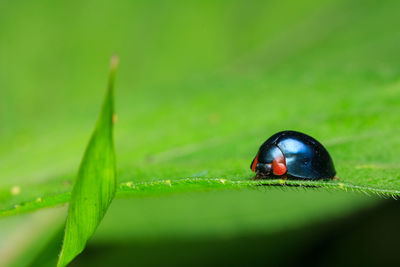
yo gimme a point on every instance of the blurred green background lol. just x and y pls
(201, 84)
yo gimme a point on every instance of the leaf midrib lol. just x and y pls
(151, 188)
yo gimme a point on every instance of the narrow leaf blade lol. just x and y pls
(95, 186)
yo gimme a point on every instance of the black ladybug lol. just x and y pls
(293, 155)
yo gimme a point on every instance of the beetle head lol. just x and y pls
(269, 162)
(263, 170)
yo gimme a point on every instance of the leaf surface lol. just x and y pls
(212, 81)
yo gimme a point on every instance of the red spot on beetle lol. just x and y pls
(254, 164)
(279, 166)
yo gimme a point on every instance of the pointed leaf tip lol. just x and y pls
(114, 62)
(95, 186)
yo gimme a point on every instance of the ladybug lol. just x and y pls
(293, 155)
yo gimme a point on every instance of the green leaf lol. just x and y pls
(204, 101)
(337, 84)
(95, 186)
(166, 187)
